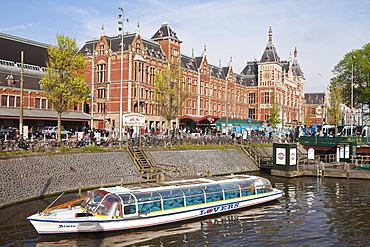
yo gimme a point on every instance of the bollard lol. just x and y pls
(209, 174)
(161, 177)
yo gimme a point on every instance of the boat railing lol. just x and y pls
(163, 200)
(118, 180)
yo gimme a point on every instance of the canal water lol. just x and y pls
(312, 212)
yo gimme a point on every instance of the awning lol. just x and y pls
(39, 114)
(198, 118)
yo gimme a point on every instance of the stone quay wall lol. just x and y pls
(30, 176)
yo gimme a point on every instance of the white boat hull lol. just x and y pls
(64, 220)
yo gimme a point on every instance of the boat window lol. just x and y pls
(231, 190)
(247, 187)
(213, 193)
(263, 185)
(109, 206)
(172, 199)
(148, 202)
(95, 199)
(129, 203)
(194, 196)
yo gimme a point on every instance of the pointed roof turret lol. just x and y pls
(270, 54)
(296, 68)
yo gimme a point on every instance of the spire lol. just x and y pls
(204, 50)
(270, 35)
(102, 32)
(295, 53)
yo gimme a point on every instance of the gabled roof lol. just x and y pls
(152, 48)
(164, 32)
(188, 63)
(217, 72)
(114, 43)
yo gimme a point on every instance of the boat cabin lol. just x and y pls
(133, 200)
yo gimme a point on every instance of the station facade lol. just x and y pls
(218, 96)
(215, 93)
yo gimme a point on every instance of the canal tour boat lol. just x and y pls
(151, 204)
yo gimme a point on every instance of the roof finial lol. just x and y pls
(138, 29)
(204, 50)
(192, 52)
(295, 52)
(270, 34)
(102, 32)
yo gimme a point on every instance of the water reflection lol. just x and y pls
(312, 212)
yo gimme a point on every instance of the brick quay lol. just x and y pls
(30, 176)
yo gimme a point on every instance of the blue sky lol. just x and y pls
(322, 30)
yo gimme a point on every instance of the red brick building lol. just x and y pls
(215, 91)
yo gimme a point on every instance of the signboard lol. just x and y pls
(134, 119)
(311, 154)
(280, 156)
(346, 151)
(293, 156)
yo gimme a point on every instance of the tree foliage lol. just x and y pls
(353, 71)
(64, 80)
(335, 115)
(170, 94)
(274, 117)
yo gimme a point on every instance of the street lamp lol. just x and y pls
(121, 28)
(352, 102)
(138, 59)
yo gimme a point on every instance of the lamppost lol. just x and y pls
(140, 61)
(121, 28)
(21, 101)
(352, 101)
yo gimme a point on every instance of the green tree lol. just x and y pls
(274, 117)
(64, 80)
(170, 94)
(353, 73)
(335, 114)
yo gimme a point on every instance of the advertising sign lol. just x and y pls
(293, 157)
(280, 156)
(134, 119)
(311, 154)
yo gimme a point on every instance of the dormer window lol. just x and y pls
(10, 79)
(87, 52)
(267, 58)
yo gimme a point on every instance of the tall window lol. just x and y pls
(101, 93)
(11, 101)
(101, 73)
(37, 103)
(101, 107)
(4, 100)
(252, 113)
(267, 97)
(252, 98)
